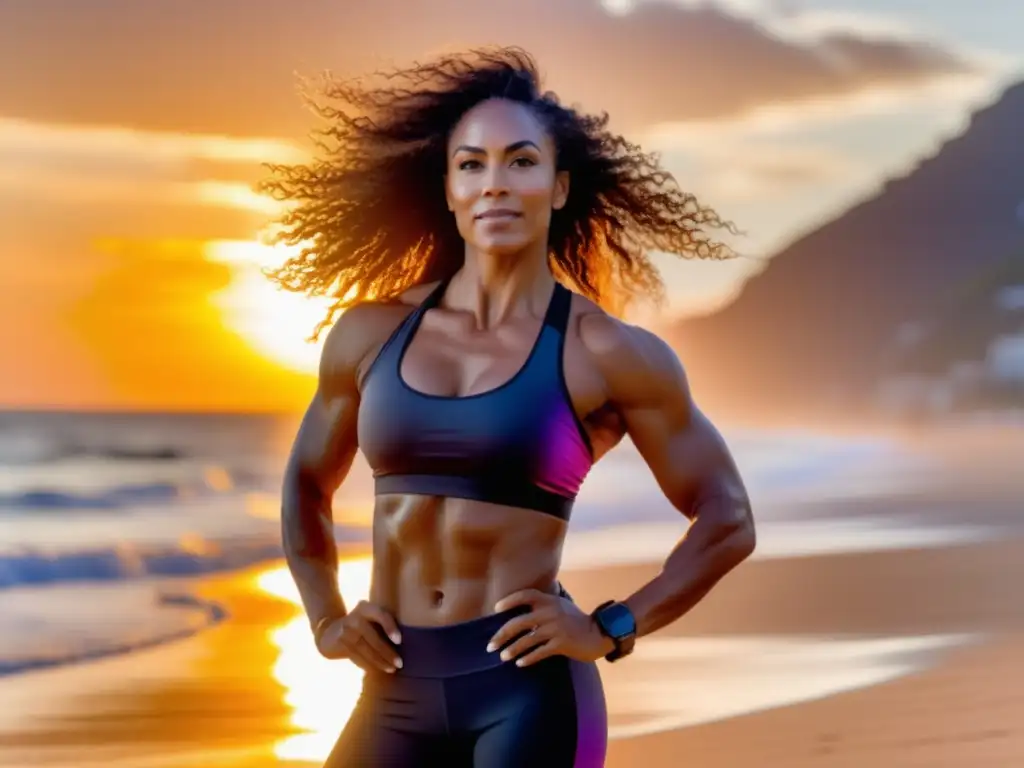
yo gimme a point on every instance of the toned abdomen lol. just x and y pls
(440, 561)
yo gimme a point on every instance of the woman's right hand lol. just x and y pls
(357, 636)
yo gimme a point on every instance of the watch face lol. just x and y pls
(618, 620)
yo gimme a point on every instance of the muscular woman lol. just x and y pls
(483, 240)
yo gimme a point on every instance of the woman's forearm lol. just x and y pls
(309, 547)
(720, 538)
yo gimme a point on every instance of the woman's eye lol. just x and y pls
(522, 162)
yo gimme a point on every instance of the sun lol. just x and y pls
(276, 323)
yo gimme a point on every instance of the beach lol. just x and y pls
(881, 627)
(804, 221)
(940, 687)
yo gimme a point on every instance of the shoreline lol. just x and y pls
(841, 544)
(123, 618)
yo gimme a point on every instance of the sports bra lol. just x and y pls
(520, 444)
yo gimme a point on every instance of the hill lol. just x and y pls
(814, 333)
(969, 355)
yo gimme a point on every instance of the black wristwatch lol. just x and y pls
(616, 622)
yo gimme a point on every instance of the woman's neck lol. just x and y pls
(496, 288)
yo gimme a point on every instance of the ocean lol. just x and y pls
(106, 520)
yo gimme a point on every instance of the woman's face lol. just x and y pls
(502, 182)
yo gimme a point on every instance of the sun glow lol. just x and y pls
(321, 694)
(274, 322)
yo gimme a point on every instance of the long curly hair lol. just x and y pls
(368, 219)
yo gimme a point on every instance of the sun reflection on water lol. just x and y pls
(321, 693)
(670, 682)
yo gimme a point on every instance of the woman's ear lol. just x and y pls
(561, 192)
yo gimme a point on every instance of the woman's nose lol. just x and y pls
(495, 181)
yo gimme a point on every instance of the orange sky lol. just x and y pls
(130, 135)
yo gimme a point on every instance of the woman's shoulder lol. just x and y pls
(374, 316)
(367, 325)
(416, 295)
(616, 346)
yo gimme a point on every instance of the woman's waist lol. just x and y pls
(448, 650)
(457, 648)
(451, 638)
(442, 601)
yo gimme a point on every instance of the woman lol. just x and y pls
(448, 217)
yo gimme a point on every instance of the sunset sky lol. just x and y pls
(131, 133)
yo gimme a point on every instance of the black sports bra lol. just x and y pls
(520, 444)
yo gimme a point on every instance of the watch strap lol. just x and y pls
(623, 644)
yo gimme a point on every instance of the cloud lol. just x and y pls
(177, 104)
(953, 93)
(805, 132)
(21, 138)
(53, 188)
(113, 164)
(52, 175)
(784, 153)
(792, 21)
(204, 66)
(744, 172)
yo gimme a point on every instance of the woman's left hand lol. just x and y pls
(555, 627)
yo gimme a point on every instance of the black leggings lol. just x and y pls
(454, 705)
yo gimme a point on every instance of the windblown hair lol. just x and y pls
(369, 219)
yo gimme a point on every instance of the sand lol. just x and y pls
(964, 709)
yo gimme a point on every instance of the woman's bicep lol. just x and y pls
(326, 442)
(684, 450)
